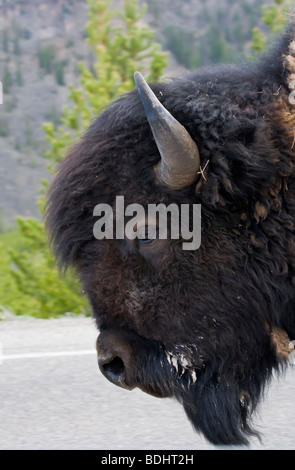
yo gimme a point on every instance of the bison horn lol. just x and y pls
(180, 160)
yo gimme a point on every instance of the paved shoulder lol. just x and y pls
(53, 397)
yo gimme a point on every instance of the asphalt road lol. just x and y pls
(52, 396)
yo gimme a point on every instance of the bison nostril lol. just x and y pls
(113, 370)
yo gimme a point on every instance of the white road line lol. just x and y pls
(82, 352)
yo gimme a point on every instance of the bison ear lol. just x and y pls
(281, 342)
(280, 64)
(288, 57)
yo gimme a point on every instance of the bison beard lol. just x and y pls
(211, 326)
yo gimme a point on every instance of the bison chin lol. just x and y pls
(219, 408)
(221, 412)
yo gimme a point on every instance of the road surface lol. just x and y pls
(52, 396)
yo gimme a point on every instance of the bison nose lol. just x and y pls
(116, 358)
(114, 370)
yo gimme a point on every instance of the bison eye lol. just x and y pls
(147, 235)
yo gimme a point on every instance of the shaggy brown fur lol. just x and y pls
(206, 326)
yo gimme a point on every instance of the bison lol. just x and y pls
(208, 326)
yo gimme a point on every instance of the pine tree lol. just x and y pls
(19, 76)
(7, 81)
(119, 51)
(5, 41)
(275, 17)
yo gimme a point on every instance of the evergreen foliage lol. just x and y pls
(121, 43)
(275, 17)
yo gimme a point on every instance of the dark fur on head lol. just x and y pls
(206, 326)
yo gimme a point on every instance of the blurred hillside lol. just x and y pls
(41, 44)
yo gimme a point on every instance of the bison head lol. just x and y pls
(207, 326)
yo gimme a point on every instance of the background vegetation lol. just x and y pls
(30, 282)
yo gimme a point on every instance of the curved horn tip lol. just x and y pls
(180, 159)
(138, 78)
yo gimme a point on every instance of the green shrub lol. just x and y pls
(29, 280)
